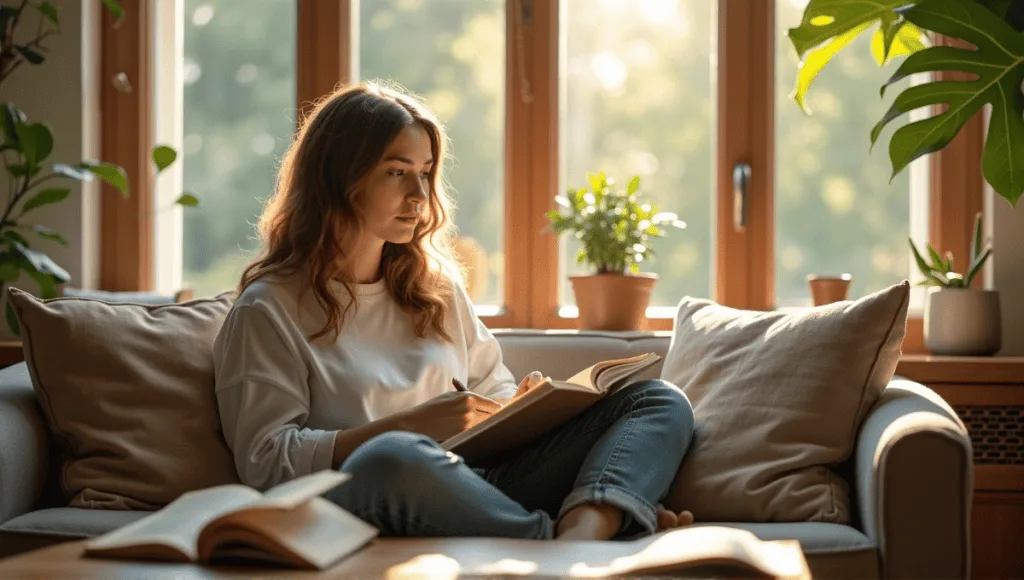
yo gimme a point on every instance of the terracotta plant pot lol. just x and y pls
(612, 301)
(962, 322)
(828, 289)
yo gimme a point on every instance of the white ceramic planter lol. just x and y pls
(962, 322)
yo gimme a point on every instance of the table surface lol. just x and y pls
(392, 558)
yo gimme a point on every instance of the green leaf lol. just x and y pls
(998, 63)
(187, 200)
(48, 10)
(30, 55)
(47, 282)
(112, 174)
(44, 197)
(12, 320)
(895, 37)
(998, 7)
(48, 234)
(36, 142)
(11, 117)
(923, 266)
(42, 263)
(21, 170)
(976, 267)
(8, 271)
(633, 186)
(816, 61)
(937, 263)
(824, 20)
(14, 237)
(114, 7)
(976, 240)
(73, 171)
(163, 157)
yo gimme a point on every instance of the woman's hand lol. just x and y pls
(449, 414)
(529, 381)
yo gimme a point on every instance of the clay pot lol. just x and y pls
(612, 301)
(962, 322)
(829, 289)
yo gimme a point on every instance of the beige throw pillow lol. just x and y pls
(778, 399)
(128, 391)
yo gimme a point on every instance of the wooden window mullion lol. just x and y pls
(325, 50)
(126, 237)
(744, 259)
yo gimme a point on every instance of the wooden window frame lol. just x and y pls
(325, 57)
(126, 97)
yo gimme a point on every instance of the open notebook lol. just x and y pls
(289, 525)
(545, 407)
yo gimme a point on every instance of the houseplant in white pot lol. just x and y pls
(959, 319)
(614, 229)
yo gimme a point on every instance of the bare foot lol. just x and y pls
(589, 522)
(668, 519)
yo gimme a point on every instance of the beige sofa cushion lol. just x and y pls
(778, 398)
(128, 390)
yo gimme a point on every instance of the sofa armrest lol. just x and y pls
(23, 443)
(914, 483)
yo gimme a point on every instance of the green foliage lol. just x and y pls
(614, 227)
(995, 65)
(938, 271)
(26, 147)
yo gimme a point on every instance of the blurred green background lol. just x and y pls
(638, 97)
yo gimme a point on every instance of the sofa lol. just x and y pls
(910, 474)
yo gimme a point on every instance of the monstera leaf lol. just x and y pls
(997, 67)
(995, 61)
(829, 25)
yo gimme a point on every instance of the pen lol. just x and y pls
(458, 385)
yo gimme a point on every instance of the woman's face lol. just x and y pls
(397, 189)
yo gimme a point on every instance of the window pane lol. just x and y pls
(835, 210)
(638, 98)
(239, 117)
(451, 53)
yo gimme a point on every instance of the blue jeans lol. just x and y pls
(623, 451)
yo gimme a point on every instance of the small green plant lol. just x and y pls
(939, 271)
(614, 227)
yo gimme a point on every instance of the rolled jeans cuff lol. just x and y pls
(634, 507)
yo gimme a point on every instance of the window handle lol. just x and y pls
(740, 191)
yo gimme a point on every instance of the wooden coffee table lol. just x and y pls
(391, 558)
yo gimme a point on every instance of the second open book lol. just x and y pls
(289, 525)
(545, 407)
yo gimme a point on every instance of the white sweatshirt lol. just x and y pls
(282, 398)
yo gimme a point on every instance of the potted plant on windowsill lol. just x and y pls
(615, 229)
(959, 319)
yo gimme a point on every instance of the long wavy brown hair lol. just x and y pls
(313, 222)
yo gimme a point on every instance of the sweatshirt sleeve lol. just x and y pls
(263, 398)
(488, 375)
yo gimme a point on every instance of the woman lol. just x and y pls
(342, 346)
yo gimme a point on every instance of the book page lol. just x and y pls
(610, 378)
(178, 524)
(291, 494)
(316, 535)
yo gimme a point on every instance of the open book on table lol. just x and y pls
(545, 407)
(289, 525)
